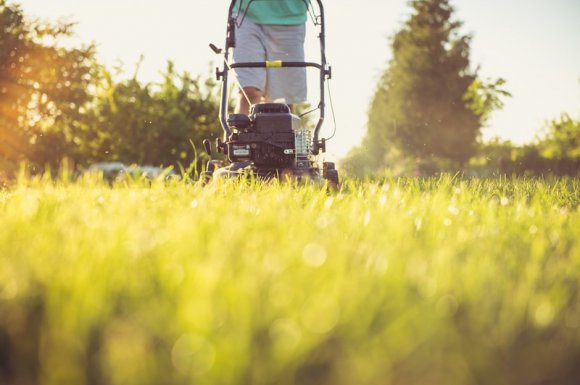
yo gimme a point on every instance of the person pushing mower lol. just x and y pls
(263, 138)
(270, 30)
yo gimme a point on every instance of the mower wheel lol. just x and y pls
(332, 178)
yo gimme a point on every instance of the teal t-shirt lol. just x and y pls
(284, 12)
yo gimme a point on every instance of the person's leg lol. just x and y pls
(253, 95)
(249, 48)
(286, 43)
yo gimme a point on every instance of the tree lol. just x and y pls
(40, 84)
(562, 139)
(60, 103)
(557, 152)
(149, 123)
(429, 103)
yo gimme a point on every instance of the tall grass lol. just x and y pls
(406, 281)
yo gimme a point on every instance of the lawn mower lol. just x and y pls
(271, 141)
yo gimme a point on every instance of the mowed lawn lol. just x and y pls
(403, 281)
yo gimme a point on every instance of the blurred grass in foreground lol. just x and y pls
(409, 281)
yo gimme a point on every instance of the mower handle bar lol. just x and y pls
(276, 64)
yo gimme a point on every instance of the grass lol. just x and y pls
(404, 281)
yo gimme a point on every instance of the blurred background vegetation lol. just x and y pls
(426, 116)
(430, 106)
(58, 102)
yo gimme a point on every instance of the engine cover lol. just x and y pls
(268, 140)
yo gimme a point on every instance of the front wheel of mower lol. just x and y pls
(332, 179)
(209, 170)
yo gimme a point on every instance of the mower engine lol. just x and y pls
(271, 137)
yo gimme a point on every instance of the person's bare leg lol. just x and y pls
(255, 96)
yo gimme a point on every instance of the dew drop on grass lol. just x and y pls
(453, 210)
(321, 222)
(174, 273)
(383, 200)
(367, 218)
(447, 306)
(192, 354)
(314, 254)
(428, 287)
(30, 205)
(272, 264)
(328, 203)
(378, 265)
(416, 269)
(281, 295)
(9, 291)
(554, 237)
(320, 315)
(418, 223)
(286, 334)
(544, 314)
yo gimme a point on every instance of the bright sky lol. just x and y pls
(533, 44)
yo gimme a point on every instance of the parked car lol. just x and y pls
(115, 170)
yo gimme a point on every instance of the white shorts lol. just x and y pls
(259, 43)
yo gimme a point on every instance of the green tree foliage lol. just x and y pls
(429, 103)
(556, 153)
(485, 97)
(41, 84)
(60, 103)
(562, 140)
(158, 124)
